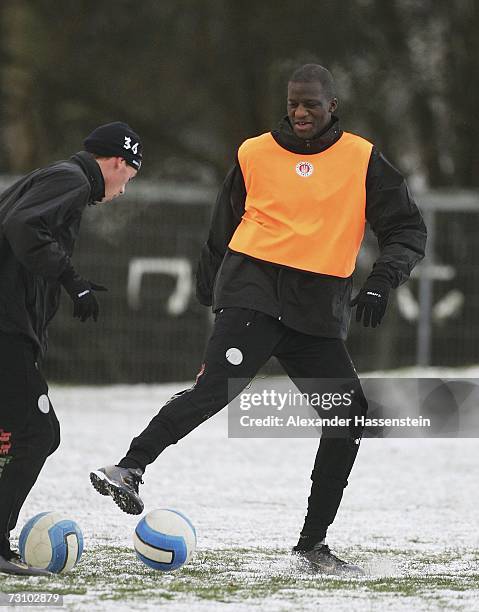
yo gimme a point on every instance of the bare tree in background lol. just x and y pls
(197, 78)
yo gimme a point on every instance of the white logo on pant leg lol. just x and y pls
(44, 404)
(234, 356)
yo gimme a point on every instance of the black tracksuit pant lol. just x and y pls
(259, 336)
(29, 429)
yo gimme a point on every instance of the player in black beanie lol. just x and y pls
(40, 218)
(115, 139)
(118, 151)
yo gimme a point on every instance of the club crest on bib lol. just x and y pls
(304, 168)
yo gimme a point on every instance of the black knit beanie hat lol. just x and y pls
(115, 139)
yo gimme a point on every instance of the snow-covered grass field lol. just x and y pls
(409, 516)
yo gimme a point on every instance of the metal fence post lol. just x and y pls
(424, 327)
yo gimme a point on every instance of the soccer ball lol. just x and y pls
(164, 539)
(51, 541)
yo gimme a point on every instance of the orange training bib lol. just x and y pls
(304, 211)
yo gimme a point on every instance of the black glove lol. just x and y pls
(85, 304)
(371, 301)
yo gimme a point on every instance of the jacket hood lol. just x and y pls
(93, 172)
(284, 135)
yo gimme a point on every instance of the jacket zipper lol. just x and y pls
(278, 293)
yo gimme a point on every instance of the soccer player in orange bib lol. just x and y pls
(277, 270)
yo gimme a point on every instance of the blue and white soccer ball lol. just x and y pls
(164, 539)
(51, 541)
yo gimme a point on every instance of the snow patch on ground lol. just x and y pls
(410, 511)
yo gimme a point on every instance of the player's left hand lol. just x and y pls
(371, 302)
(81, 291)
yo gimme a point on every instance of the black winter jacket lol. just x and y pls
(39, 222)
(311, 303)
